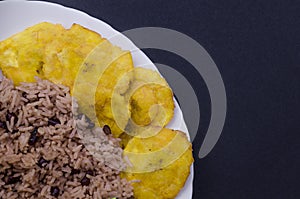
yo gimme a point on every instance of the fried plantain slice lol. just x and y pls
(166, 180)
(149, 100)
(105, 90)
(21, 56)
(145, 97)
(65, 54)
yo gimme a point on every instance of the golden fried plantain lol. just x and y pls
(64, 56)
(145, 97)
(149, 100)
(106, 87)
(166, 181)
(21, 56)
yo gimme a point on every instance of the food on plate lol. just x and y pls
(156, 91)
(104, 66)
(50, 51)
(63, 56)
(147, 104)
(21, 56)
(167, 179)
(65, 151)
(42, 154)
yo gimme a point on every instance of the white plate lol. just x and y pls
(15, 16)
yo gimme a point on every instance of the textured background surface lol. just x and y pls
(256, 46)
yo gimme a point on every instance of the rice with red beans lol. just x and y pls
(42, 153)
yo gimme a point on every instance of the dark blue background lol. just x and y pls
(256, 46)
